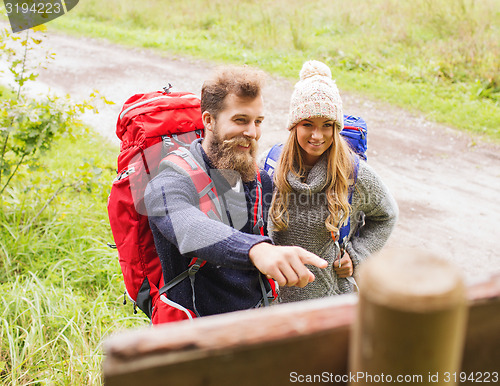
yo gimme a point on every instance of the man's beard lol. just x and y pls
(225, 156)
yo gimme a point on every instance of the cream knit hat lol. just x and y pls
(315, 95)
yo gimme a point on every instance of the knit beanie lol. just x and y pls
(315, 95)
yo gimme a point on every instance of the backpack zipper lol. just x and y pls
(354, 128)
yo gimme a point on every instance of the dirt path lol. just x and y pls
(446, 185)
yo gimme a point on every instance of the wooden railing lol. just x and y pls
(312, 340)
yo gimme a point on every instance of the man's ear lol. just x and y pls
(208, 120)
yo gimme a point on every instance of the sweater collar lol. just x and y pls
(315, 180)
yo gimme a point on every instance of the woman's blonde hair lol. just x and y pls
(340, 172)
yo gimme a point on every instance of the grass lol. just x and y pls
(62, 288)
(440, 57)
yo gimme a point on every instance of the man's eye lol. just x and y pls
(240, 120)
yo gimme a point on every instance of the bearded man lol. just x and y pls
(239, 257)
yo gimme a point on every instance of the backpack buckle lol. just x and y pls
(127, 172)
(166, 90)
(194, 268)
(256, 228)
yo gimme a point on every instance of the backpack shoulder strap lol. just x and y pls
(258, 221)
(345, 230)
(355, 175)
(184, 160)
(272, 157)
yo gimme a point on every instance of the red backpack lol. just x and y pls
(150, 127)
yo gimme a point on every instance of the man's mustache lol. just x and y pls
(240, 141)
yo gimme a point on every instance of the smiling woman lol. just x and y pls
(316, 163)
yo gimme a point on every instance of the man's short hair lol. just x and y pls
(243, 81)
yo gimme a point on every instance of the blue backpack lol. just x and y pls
(355, 133)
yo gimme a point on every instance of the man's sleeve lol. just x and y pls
(172, 204)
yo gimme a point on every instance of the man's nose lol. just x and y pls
(251, 131)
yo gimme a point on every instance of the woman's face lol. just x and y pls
(315, 136)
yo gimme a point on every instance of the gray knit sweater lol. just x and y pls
(307, 214)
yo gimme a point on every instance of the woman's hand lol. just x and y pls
(346, 268)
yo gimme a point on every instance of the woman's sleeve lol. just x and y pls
(371, 197)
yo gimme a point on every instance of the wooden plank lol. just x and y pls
(266, 346)
(240, 348)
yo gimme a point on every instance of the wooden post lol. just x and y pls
(411, 320)
(481, 360)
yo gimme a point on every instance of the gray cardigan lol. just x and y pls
(307, 214)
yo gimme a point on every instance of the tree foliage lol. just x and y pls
(29, 127)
